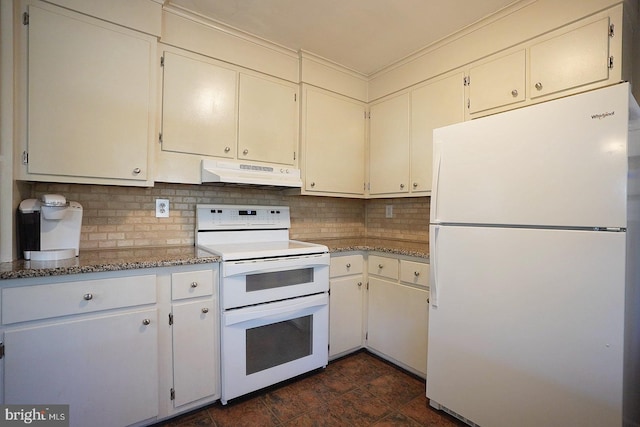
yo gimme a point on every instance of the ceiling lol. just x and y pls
(363, 35)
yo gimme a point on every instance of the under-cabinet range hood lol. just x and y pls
(247, 173)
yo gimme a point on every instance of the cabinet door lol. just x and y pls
(90, 97)
(345, 314)
(497, 83)
(105, 368)
(199, 105)
(570, 60)
(389, 146)
(434, 105)
(195, 358)
(398, 322)
(333, 141)
(268, 120)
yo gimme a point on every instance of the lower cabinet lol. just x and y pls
(388, 313)
(194, 320)
(98, 353)
(346, 304)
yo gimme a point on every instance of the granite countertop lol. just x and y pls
(92, 261)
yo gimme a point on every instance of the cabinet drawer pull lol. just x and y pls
(514, 93)
(205, 310)
(88, 297)
(380, 266)
(245, 151)
(313, 184)
(227, 149)
(146, 322)
(416, 273)
(194, 284)
(539, 86)
(401, 186)
(136, 171)
(415, 185)
(359, 284)
(348, 265)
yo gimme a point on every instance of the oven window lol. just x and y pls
(278, 343)
(278, 279)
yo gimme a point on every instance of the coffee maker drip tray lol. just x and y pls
(50, 255)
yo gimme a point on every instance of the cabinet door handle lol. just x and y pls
(88, 297)
(401, 186)
(380, 266)
(415, 185)
(205, 310)
(227, 149)
(514, 93)
(146, 322)
(539, 86)
(348, 265)
(416, 273)
(194, 284)
(313, 184)
(245, 151)
(136, 171)
(359, 284)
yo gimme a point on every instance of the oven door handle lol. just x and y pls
(240, 268)
(274, 310)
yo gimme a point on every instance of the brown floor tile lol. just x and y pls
(359, 390)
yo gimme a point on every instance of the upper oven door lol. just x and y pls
(257, 281)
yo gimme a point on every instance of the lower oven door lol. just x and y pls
(268, 343)
(250, 282)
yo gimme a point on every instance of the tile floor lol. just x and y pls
(357, 390)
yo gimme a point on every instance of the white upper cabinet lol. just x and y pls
(268, 120)
(91, 96)
(573, 59)
(199, 106)
(333, 143)
(497, 83)
(389, 146)
(433, 105)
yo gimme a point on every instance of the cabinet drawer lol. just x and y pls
(416, 273)
(383, 266)
(189, 284)
(346, 265)
(26, 303)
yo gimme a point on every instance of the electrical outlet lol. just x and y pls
(162, 208)
(388, 212)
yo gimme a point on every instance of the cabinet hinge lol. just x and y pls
(367, 285)
(366, 336)
(160, 137)
(25, 157)
(466, 81)
(611, 30)
(294, 155)
(1, 350)
(295, 97)
(611, 62)
(170, 319)
(468, 103)
(25, 18)
(172, 394)
(162, 61)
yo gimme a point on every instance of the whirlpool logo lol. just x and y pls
(602, 115)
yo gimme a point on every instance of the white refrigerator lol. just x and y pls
(535, 265)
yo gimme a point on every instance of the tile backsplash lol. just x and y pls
(115, 217)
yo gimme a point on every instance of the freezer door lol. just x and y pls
(526, 326)
(560, 163)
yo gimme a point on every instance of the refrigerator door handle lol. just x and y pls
(433, 280)
(436, 181)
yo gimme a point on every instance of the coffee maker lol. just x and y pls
(49, 228)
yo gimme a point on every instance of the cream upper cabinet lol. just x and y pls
(433, 105)
(91, 100)
(333, 143)
(576, 58)
(268, 120)
(389, 146)
(199, 106)
(497, 83)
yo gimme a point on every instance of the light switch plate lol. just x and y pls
(388, 211)
(162, 208)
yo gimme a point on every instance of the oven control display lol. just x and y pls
(221, 217)
(253, 213)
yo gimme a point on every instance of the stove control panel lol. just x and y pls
(240, 217)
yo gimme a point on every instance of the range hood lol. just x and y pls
(247, 173)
